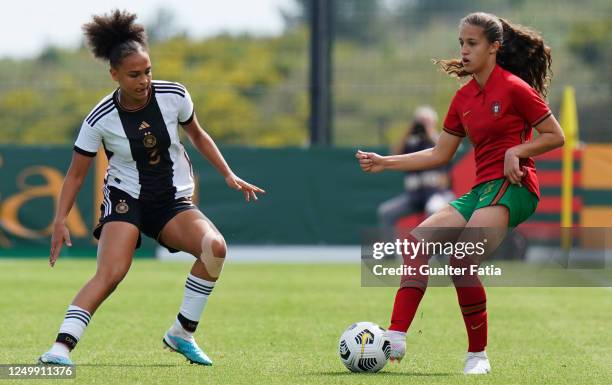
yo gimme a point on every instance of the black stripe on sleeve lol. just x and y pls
(541, 119)
(93, 123)
(169, 87)
(83, 152)
(158, 83)
(158, 91)
(102, 106)
(453, 132)
(189, 120)
(100, 112)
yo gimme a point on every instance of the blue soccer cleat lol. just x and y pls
(54, 359)
(187, 348)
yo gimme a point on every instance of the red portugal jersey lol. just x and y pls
(495, 118)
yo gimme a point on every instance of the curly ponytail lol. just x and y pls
(522, 51)
(113, 37)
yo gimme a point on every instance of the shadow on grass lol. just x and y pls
(386, 374)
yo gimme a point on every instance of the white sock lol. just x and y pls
(59, 349)
(195, 298)
(75, 322)
(395, 335)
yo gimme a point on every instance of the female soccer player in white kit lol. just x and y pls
(148, 186)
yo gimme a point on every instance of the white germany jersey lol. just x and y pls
(145, 156)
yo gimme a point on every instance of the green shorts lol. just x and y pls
(521, 202)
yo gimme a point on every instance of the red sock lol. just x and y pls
(405, 306)
(409, 295)
(473, 303)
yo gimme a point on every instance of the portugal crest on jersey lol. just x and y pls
(496, 108)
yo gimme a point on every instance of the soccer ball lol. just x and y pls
(363, 348)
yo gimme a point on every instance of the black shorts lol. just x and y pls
(149, 217)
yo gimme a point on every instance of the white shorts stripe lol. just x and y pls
(107, 202)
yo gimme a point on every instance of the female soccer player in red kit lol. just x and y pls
(509, 67)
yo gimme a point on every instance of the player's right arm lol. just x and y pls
(73, 181)
(440, 154)
(85, 149)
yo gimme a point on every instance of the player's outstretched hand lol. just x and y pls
(370, 161)
(249, 190)
(59, 236)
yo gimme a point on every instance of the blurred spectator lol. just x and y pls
(426, 191)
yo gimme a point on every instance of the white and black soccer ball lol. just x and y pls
(363, 348)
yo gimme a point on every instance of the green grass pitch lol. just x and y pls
(280, 324)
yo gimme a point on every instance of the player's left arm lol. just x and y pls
(207, 147)
(550, 137)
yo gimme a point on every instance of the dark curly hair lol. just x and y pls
(114, 36)
(522, 51)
